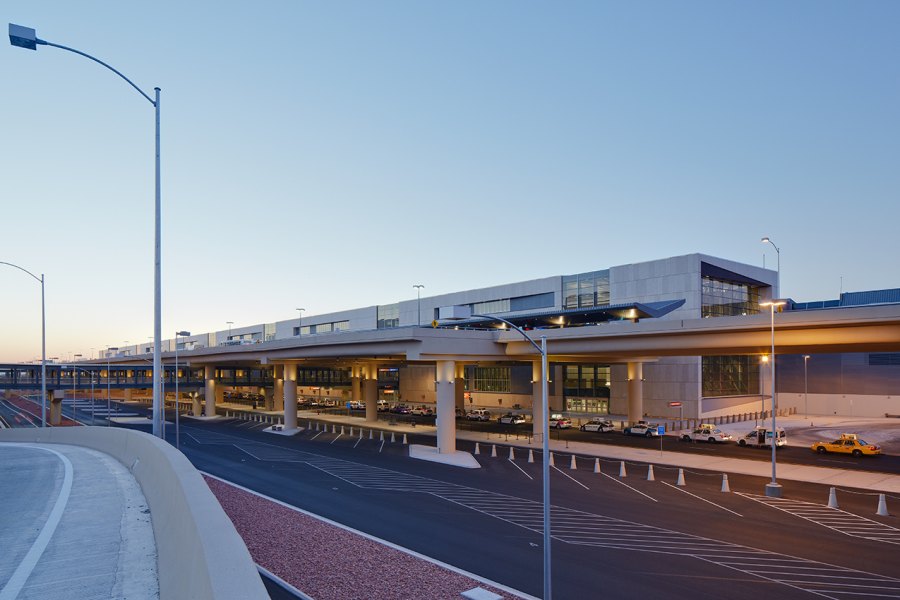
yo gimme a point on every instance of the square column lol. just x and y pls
(370, 392)
(278, 388)
(445, 388)
(290, 396)
(209, 375)
(55, 408)
(635, 392)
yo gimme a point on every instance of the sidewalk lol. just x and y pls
(842, 477)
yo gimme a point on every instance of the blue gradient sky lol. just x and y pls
(331, 155)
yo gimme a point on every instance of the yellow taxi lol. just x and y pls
(849, 443)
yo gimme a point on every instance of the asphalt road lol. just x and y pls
(612, 537)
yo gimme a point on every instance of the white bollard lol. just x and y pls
(351, 431)
(552, 463)
(832, 498)
(477, 448)
(512, 453)
(360, 433)
(725, 486)
(596, 465)
(393, 437)
(333, 428)
(342, 430)
(650, 476)
(404, 439)
(371, 434)
(381, 436)
(494, 451)
(680, 480)
(573, 466)
(882, 507)
(622, 472)
(530, 455)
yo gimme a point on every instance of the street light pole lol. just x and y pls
(229, 323)
(300, 321)
(766, 240)
(419, 287)
(43, 341)
(805, 387)
(545, 434)
(773, 488)
(25, 37)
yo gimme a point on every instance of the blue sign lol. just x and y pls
(661, 429)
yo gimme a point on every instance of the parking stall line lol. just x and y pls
(704, 499)
(628, 486)
(520, 469)
(335, 439)
(570, 477)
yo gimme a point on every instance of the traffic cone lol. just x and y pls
(596, 465)
(650, 476)
(572, 465)
(552, 464)
(494, 451)
(725, 487)
(381, 436)
(371, 434)
(334, 429)
(393, 438)
(832, 498)
(404, 439)
(622, 472)
(351, 432)
(477, 448)
(680, 478)
(512, 453)
(342, 430)
(530, 456)
(882, 507)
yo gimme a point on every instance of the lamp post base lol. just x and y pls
(773, 490)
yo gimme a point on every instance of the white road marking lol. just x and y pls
(570, 477)
(12, 588)
(699, 498)
(628, 486)
(513, 463)
(335, 439)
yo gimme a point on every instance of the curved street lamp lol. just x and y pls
(545, 434)
(43, 341)
(419, 287)
(773, 488)
(25, 37)
(766, 240)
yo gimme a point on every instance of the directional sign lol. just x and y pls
(674, 403)
(661, 429)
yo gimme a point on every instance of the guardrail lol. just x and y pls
(200, 555)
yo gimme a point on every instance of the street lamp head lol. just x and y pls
(183, 333)
(765, 240)
(774, 303)
(23, 37)
(806, 357)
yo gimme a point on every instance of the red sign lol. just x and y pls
(674, 403)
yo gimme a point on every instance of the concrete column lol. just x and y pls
(127, 394)
(445, 378)
(537, 400)
(55, 408)
(209, 375)
(278, 388)
(635, 391)
(196, 406)
(355, 391)
(370, 392)
(290, 396)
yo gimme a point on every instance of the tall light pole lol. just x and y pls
(182, 334)
(766, 240)
(805, 387)
(108, 378)
(229, 323)
(25, 37)
(545, 434)
(419, 287)
(773, 488)
(300, 321)
(43, 341)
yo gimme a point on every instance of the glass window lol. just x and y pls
(586, 290)
(488, 379)
(388, 316)
(722, 298)
(736, 375)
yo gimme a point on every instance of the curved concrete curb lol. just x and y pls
(200, 555)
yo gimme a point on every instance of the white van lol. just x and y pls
(762, 437)
(479, 414)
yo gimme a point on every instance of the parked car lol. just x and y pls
(479, 414)
(511, 419)
(423, 411)
(598, 424)
(848, 443)
(642, 428)
(460, 413)
(560, 422)
(356, 405)
(762, 437)
(705, 433)
(400, 409)
(382, 406)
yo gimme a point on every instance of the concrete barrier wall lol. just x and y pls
(200, 555)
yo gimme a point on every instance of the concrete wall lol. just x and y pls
(200, 555)
(851, 405)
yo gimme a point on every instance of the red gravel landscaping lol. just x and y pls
(330, 563)
(34, 408)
